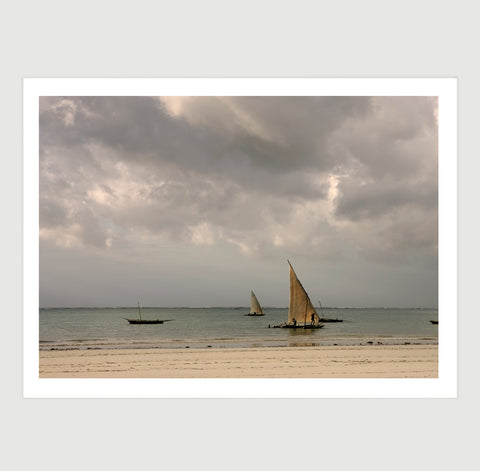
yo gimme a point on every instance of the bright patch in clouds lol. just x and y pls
(202, 234)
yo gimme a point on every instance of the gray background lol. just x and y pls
(369, 38)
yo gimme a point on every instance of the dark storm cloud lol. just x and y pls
(257, 172)
(277, 134)
(379, 197)
(269, 133)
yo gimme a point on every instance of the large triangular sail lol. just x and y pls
(255, 307)
(300, 309)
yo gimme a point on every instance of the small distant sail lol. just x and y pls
(300, 309)
(255, 307)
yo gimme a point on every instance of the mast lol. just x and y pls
(139, 311)
(321, 308)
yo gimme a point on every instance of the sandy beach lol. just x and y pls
(373, 361)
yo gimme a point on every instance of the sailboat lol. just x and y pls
(145, 321)
(301, 313)
(255, 308)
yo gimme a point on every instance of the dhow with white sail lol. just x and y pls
(255, 308)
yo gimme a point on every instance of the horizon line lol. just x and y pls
(231, 307)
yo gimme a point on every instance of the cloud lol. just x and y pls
(329, 177)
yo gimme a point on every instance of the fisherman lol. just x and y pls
(313, 318)
(294, 321)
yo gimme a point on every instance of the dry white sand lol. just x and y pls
(375, 361)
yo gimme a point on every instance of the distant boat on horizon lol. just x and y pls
(434, 322)
(301, 313)
(255, 308)
(145, 321)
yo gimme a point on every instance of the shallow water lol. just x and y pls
(86, 328)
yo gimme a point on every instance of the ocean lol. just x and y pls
(106, 328)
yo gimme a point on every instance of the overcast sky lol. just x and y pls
(194, 201)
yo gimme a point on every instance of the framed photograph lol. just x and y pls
(240, 237)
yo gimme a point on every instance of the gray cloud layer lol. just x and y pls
(332, 178)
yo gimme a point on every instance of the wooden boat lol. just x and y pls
(327, 319)
(255, 308)
(145, 321)
(301, 313)
(434, 322)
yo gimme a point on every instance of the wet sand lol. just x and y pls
(373, 361)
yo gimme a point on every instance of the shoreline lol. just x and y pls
(365, 361)
(245, 343)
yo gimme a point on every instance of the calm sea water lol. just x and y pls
(87, 328)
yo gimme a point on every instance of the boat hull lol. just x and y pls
(292, 326)
(434, 322)
(326, 319)
(255, 315)
(146, 321)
